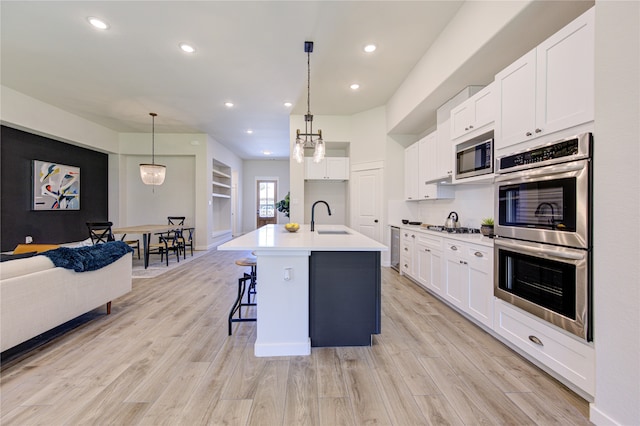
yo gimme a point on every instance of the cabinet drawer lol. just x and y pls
(572, 359)
(406, 249)
(455, 248)
(408, 236)
(480, 258)
(430, 241)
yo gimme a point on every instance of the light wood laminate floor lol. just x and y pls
(163, 357)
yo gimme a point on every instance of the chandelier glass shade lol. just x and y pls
(308, 139)
(152, 174)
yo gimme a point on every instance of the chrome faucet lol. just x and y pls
(313, 210)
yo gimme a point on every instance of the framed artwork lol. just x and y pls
(55, 186)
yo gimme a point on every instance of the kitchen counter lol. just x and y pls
(469, 238)
(277, 238)
(319, 288)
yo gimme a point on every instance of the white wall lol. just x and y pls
(262, 169)
(335, 194)
(34, 116)
(149, 204)
(617, 192)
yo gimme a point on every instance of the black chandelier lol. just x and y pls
(308, 139)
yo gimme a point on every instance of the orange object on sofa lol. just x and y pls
(38, 248)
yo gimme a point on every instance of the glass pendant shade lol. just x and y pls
(298, 151)
(318, 153)
(152, 174)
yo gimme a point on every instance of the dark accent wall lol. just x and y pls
(17, 219)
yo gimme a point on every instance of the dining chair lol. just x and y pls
(100, 232)
(176, 220)
(185, 239)
(167, 242)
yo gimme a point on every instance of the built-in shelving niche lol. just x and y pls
(221, 202)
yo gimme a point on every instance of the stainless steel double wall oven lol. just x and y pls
(543, 244)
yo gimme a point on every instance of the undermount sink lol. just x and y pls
(332, 232)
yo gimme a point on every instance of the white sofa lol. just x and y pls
(36, 296)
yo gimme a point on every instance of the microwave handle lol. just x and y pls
(549, 252)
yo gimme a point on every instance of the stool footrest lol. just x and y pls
(238, 304)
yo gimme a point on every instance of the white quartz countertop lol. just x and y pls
(276, 237)
(469, 238)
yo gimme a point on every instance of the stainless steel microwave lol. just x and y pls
(474, 159)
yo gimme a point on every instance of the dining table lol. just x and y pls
(145, 231)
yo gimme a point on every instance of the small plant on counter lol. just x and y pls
(486, 227)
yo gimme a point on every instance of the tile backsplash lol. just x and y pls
(472, 203)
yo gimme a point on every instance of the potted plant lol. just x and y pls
(486, 227)
(283, 205)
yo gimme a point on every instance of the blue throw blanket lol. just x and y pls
(83, 259)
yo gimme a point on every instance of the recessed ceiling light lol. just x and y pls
(98, 23)
(266, 152)
(370, 48)
(288, 104)
(187, 48)
(355, 86)
(249, 131)
(228, 104)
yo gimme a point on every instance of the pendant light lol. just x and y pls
(306, 139)
(152, 174)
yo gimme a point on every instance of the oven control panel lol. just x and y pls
(565, 150)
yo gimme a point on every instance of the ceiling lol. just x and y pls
(250, 53)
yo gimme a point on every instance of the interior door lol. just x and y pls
(366, 197)
(266, 191)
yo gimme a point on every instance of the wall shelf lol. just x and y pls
(221, 202)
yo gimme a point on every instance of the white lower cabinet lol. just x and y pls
(428, 259)
(469, 279)
(565, 355)
(407, 249)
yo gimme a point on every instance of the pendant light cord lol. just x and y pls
(153, 137)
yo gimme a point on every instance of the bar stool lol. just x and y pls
(242, 289)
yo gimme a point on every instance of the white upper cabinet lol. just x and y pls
(331, 168)
(550, 88)
(428, 153)
(421, 170)
(411, 177)
(474, 116)
(444, 152)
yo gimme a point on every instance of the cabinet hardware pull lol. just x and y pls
(466, 128)
(535, 340)
(478, 254)
(375, 221)
(470, 126)
(427, 250)
(454, 248)
(413, 236)
(406, 249)
(538, 130)
(528, 134)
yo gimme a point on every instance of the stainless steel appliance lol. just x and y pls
(474, 159)
(543, 232)
(395, 248)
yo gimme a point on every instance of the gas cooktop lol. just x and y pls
(453, 230)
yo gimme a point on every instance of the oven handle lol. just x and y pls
(546, 170)
(549, 252)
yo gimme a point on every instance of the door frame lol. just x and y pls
(255, 196)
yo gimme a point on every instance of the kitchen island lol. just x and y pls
(315, 288)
